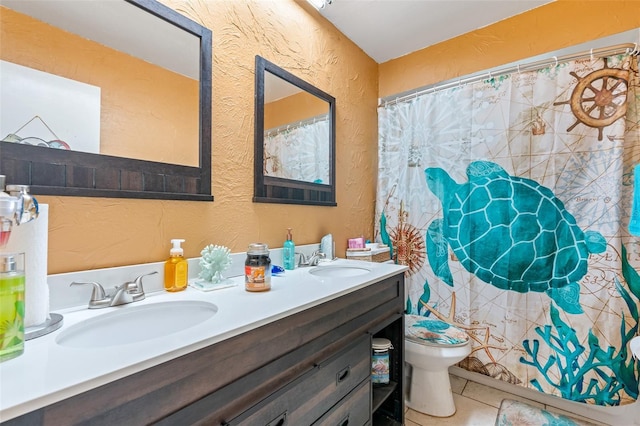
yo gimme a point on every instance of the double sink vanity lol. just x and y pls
(299, 354)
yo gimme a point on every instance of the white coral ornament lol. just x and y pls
(215, 260)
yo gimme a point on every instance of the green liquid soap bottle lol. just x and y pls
(12, 284)
(176, 268)
(289, 252)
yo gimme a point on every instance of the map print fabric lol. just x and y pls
(509, 199)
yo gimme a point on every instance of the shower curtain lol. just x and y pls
(298, 151)
(509, 199)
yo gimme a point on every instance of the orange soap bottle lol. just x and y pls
(176, 268)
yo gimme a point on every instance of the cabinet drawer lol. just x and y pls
(307, 398)
(353, 410)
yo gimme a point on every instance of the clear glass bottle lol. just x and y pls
(257, 268)
(12, 284)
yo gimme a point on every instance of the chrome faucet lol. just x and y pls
(131, 291)
(312, 260)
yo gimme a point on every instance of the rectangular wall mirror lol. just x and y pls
(294, 139)
(105, 98)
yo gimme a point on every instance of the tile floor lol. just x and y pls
(476, 404)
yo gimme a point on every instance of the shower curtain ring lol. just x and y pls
(555, 58)
(518, 68)
(591, 53)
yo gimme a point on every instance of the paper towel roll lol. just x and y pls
(32, 238)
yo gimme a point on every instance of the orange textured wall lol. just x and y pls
(156, 107)
(551, 27)
(88, 233)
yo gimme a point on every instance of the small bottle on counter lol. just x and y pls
(176, 268)
(289, 252)
(257, 268)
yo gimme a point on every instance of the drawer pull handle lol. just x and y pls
(344, 422)
(281, 420)
(343, 374)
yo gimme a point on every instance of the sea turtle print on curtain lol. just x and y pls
(510, 232)
(517, 193)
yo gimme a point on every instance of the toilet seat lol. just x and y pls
(433, 332)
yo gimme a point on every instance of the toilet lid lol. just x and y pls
(430, 331)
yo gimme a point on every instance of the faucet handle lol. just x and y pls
(315, 258)
(98, 295)
(137, 283)
(303, 259)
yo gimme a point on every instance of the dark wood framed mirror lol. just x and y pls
(294, 151)
(150, 132)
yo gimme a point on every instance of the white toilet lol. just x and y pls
(431, 347)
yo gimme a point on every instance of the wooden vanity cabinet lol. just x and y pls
(305, 400)
(309, 368)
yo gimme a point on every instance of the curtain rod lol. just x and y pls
(629, 48)
(299, 123)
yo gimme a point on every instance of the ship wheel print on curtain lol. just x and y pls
(599, 98)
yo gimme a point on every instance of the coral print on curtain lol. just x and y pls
(509, 199)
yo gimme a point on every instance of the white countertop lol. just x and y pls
(47, 372)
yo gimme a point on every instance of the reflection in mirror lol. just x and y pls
(124, 97)
(295, 139)
(59, 103)
(296, 136)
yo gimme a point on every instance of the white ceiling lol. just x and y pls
(388, 29)
(384, 29)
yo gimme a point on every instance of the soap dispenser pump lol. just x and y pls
(289, 252)
(176, 268)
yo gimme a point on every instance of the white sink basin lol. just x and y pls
(338, 271)
(132, 324)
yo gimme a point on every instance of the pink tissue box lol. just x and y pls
(356, 242)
